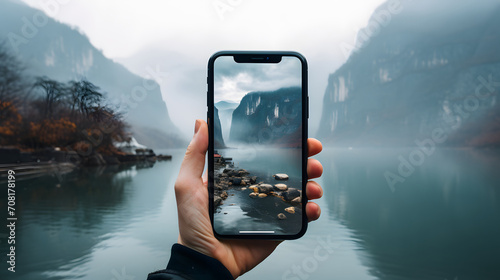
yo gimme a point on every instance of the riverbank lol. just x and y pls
(236, 181)
(55, 161)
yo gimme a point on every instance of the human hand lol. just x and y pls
(195, 228)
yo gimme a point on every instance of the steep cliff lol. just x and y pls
(49, 48)
(226, 110)
(218, 139)
(269, 118)
(421, 73)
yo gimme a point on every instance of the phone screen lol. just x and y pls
(258, 145)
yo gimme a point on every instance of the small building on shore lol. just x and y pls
(131, 147)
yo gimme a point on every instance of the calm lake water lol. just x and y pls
(239, 212)
(442, 222)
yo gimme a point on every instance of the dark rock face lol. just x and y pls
(236, 181)
(218, 139)
(290, 194)
(417, 75)
(94, 160)
(265, 188)
(269, 118)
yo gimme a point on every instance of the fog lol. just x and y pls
(178, 37)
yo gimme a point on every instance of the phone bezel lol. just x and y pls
(210, 117)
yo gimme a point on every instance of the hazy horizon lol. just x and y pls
(176, 39)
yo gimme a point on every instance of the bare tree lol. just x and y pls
(13, 86)
(55, 93)
(85, 96)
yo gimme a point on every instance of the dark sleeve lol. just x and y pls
(186, 263)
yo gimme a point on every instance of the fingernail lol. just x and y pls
(197, 125)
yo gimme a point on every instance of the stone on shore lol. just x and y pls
(290, 210)
(291, 194)
(280, 176)
(297, 200)
(253, 195)
(242, 172)
(262, 195)
(280, 187)
(94, 160)
(253, 179)
(265, 188)
(217, 200)
(236, 181)
(224, 195)
(281, 216)
(254, 188)
(243, 188)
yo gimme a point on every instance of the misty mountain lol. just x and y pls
(226, 110)
(271, 117)
(433, 68)
(49, 48)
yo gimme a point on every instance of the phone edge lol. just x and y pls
(305, 121)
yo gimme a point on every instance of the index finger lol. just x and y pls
(314, 146)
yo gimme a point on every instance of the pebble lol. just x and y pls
(281, 176)
(280, 187)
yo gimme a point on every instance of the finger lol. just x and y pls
(314, 168)
(313, 211)
(313, 190)
(314, 146)
(194, 160)
(205, 177)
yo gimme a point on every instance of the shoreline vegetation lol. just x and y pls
(55, 161)
(228, 177)
(51, 126)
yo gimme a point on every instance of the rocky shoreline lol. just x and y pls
(14, 156)
(53, 160)
(228, 177)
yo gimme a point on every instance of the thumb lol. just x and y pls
(194, 160)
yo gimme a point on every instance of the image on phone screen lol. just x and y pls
(258, 146)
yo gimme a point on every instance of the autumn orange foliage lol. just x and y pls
(10, 119)
(53, 132)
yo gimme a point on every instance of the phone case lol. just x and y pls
(258, 57)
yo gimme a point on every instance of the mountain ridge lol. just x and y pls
(269, 117)
(408, 79)
(64, 53)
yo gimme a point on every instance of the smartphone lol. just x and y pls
(257, 116)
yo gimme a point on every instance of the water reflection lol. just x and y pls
(441, 223)
(87, 225)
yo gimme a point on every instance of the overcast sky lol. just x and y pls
(179, 36)
(234, 80)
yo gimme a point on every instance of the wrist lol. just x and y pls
(187, 261)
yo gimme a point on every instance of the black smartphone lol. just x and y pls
(257, 116)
